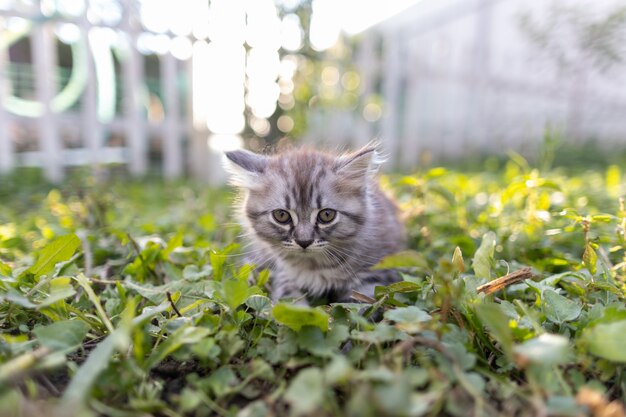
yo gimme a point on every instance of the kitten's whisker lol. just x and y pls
(245, 253)
(352, 258)
(352, 252)
(344, 266)
(355, 256)
(230, 224)
(348, 257)
(248, 233)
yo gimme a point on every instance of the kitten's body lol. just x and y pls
(310, 258)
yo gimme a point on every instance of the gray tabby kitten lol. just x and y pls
(318, 221)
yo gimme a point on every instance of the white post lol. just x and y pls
(392, 70)
(43, 57)
(198, 139)
(91, 128)
(410, 155)
(136, 137)
(7, 157)
(172, 152)
(481, 121)
(367, 63)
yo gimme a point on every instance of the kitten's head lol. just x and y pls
(304, 201)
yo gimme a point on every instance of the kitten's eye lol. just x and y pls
(326, 215)
(281, 216)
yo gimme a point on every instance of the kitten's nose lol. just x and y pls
(304, 243)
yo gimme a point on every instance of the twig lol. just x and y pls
(49, 385)
(88, 255)
(143, 261)
(506, 280)
(169, 297)
(15, 368)
(362, 297)
(105, 281)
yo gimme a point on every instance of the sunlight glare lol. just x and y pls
(227, 21)
(330, 18)
(225, 78)
(291, 32)
(325, 24)
(225, 143)
(155, 15)
(181, 48)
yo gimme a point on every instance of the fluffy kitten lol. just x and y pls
(318, 221)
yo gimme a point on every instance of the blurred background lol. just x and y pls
(166, 86)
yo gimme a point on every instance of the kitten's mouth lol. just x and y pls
(298, 252)
(303, 251)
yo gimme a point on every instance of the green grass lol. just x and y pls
(127, 299)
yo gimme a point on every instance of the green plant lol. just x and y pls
(131, 300)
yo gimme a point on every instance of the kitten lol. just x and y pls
(318, 221)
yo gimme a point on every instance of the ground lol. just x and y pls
(127, 298)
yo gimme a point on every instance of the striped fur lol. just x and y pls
(339, 254)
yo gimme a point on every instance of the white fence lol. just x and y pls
(40, 129)
(461, 76)
(454, 77)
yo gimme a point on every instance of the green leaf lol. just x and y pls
(590, 258)
(222, 381)
(183, 336)
(496, 320)
(483, 258)
(218, 259)
(98, 360)
(93, 297)
(62, 335)
(59, 250)
(404, 259)
(547, 349)
(262, 278)
(175, 242)
(607, 341)
(280, 349)
(409, 314)
(397, 287)
(380, 334)
(295, 317)
(194, 273)
(235, 291)
(614, 180)
(5, 270)
(338, 370)
(306, 392)
(457, 260)
(559, 309)
(259, 303)
(312, 339)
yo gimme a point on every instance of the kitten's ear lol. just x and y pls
(244, 167)
(361, 163)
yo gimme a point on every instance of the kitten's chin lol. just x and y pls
(296, 255)
(302, 253)
(305, 259)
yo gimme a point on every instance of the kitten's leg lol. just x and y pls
(282, 289)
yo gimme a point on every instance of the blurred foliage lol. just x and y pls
(129, 299)
(325, 80)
